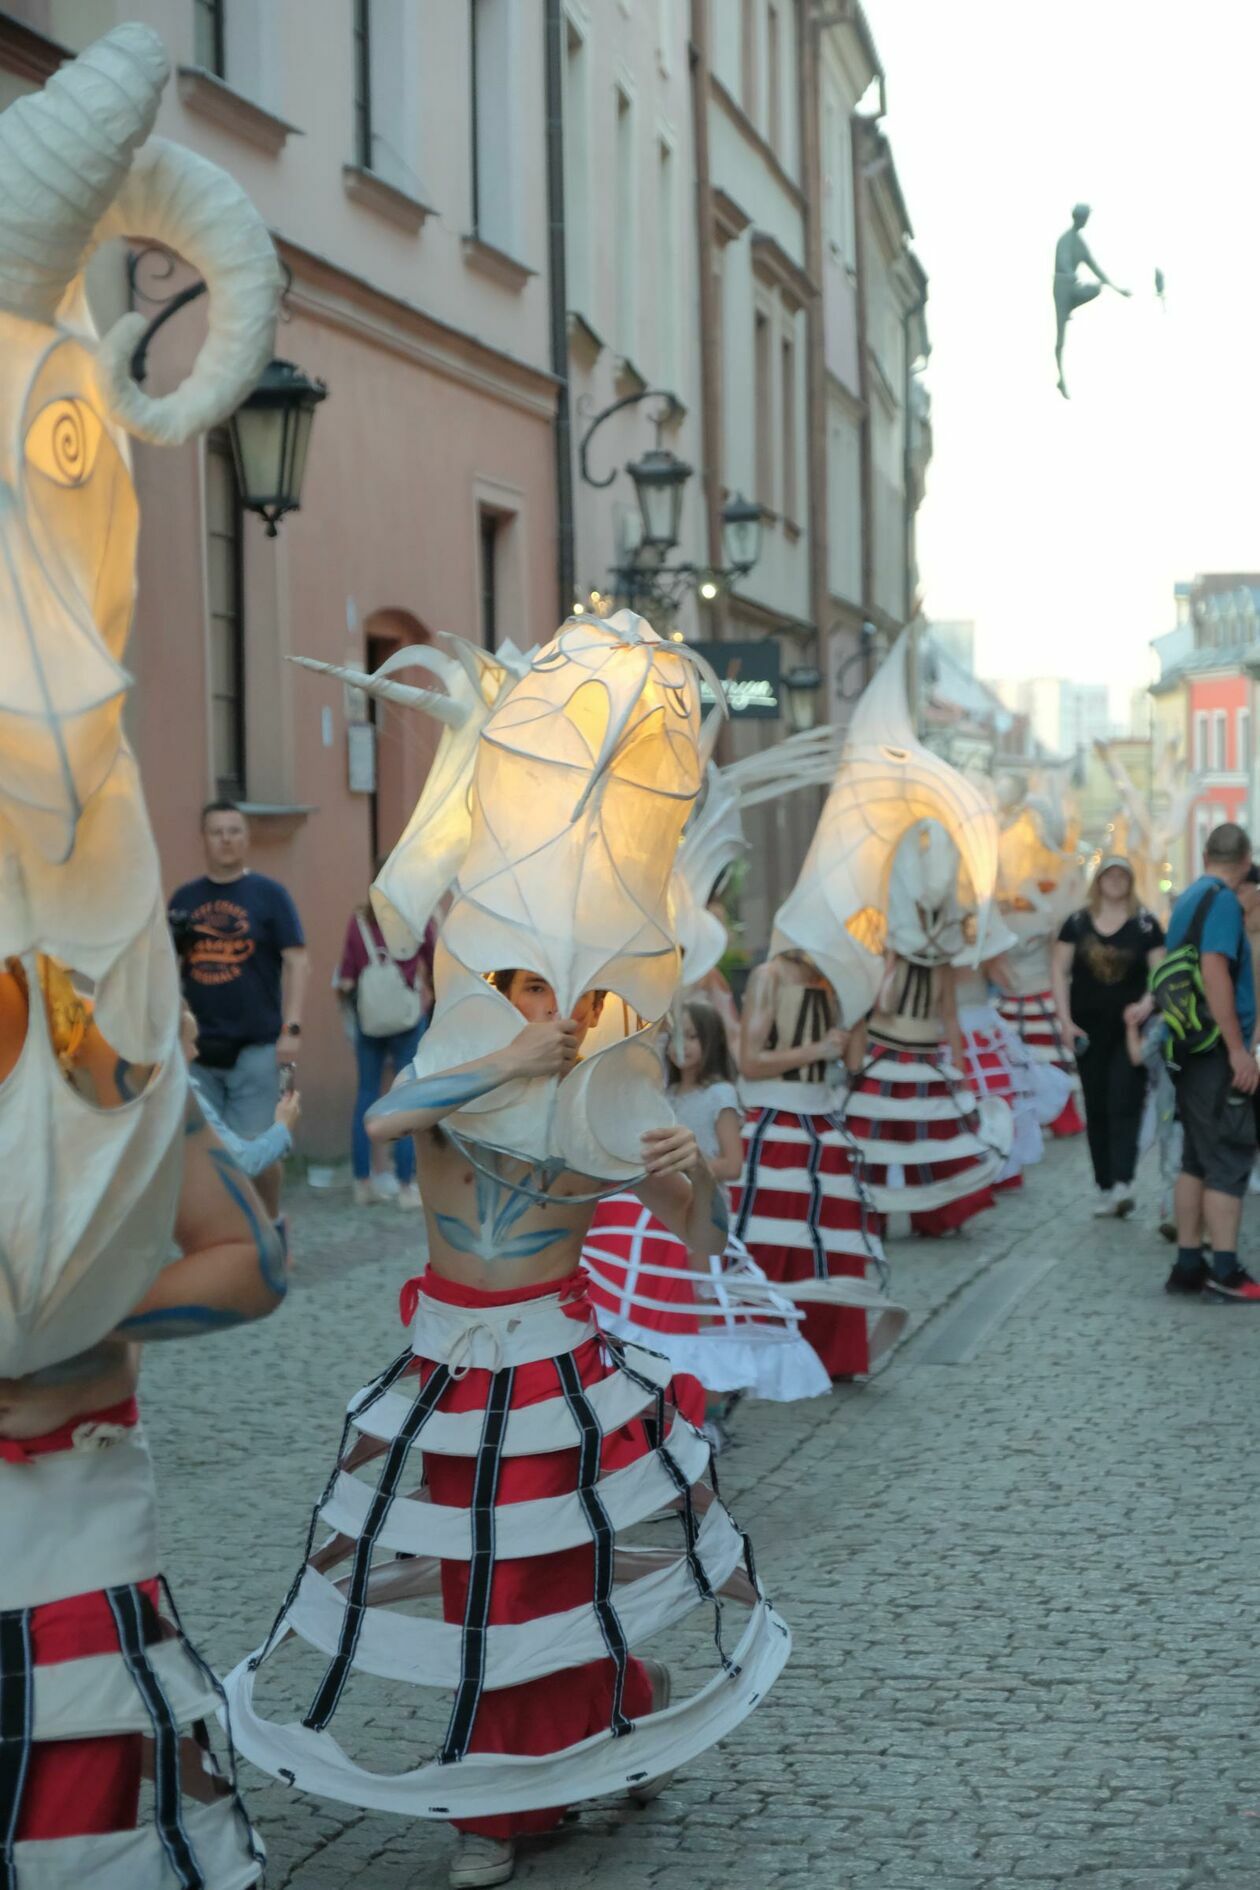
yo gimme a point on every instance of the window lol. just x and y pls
(489, 523)
(665, 289)
(788, 395)
(577, 198)
(1242, 741)
(363, 84)
(774, 81)
(626, 248)
(748, 58)
(209, 39)
(764, 410)
(495, 105)
(1200, 742)
(225, 568)
(1218, 741)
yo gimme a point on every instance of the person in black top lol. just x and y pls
(1102, 961)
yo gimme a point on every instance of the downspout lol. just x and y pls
(810, 38)
(907, 322)
(865, 450)
(712, 350)
(566, 577)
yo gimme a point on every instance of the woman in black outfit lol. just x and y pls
(1103, 958)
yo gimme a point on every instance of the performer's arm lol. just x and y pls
(416, 1103)
(680, 1189)
(949, 1016)
(233, 1264)
(729, 1162)
(756, 1062)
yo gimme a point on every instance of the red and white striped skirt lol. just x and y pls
(1036, 1021)
(927, 1147)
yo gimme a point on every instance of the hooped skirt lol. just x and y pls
(99, 1689)
(804, 1214)
(999, 1063)
(726, 1327)
(928, 1147)
(1036, 1021)
(543, 1446)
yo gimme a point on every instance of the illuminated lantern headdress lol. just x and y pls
(837, 913)
(585, 774)
(431, 850)
(89, 1225)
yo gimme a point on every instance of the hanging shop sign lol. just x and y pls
(751, 677)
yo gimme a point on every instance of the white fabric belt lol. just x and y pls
(767, 1230)
(532, 1429)
(77, 1520)
(802, 1099)
(881, 1152)
(535, 1527)
(94, 1696)
(428, 1653)
(490, 1338)
(483, 1783)
(135, 1860)
(867, 1105)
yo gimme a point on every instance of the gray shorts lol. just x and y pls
(247, 1094)
(1218, 1125)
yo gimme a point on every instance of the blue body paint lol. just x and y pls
(268, 1244)
(179, 1322)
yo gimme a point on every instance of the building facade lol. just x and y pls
(498, 220)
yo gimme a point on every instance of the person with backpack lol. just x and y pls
(1206, 991)
(388, 1002)
(1102, 958)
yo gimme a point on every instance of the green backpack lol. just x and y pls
(1177, 988)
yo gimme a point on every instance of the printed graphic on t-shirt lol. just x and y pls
(221, 943)
(1106, 964)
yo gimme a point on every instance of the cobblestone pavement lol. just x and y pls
(1019, 1568)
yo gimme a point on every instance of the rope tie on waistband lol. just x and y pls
(458, 1361)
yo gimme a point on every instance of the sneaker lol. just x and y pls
(1122, 1195)
(1106, 1205)
(365, 1194)
(408, 1196)
(658, 1674)
(1238, 1288)
(1192, 1281)
(480, 1860)
(386, 1185)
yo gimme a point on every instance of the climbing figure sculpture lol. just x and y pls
(1070, 253)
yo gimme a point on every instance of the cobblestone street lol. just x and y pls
(1019, 1569)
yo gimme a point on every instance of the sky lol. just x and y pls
(1061, 526)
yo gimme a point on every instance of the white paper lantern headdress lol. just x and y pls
(79, 880)
(585, 774)
(837, 913)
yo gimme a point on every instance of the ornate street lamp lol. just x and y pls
(801, 689)
(271, 432)
(741, 533)
(660, 479)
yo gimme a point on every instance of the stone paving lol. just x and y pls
(1022, 1588)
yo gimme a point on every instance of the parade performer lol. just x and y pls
(1039, 884)
(998, 1063)
(713, 1315)
(97, 1685)
(541, 1442)
(927, 1146)
(810, 1200)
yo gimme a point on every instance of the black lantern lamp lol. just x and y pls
(659, 479)
(271, 432)
(801, 688)
(741, 533)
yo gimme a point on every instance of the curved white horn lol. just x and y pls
(64, 153)
(454, 714)
(174, 197)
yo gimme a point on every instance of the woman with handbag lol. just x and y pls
(388, 1002)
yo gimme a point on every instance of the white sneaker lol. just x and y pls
(480, 1860)
(1107, 1204)
(408, 1196)
(365, 1194)
(1123, 1197)
(386, 1185)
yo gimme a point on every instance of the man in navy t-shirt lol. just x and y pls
(245, 968)
(1214, 1088)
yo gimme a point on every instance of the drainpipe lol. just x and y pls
(866, 467)
(711, 353)
(566, 576)
(817, 409)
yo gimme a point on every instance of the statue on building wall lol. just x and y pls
(1071, 253)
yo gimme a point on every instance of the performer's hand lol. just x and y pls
(670, 1151)
(546, 1049)
(831, 1048)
